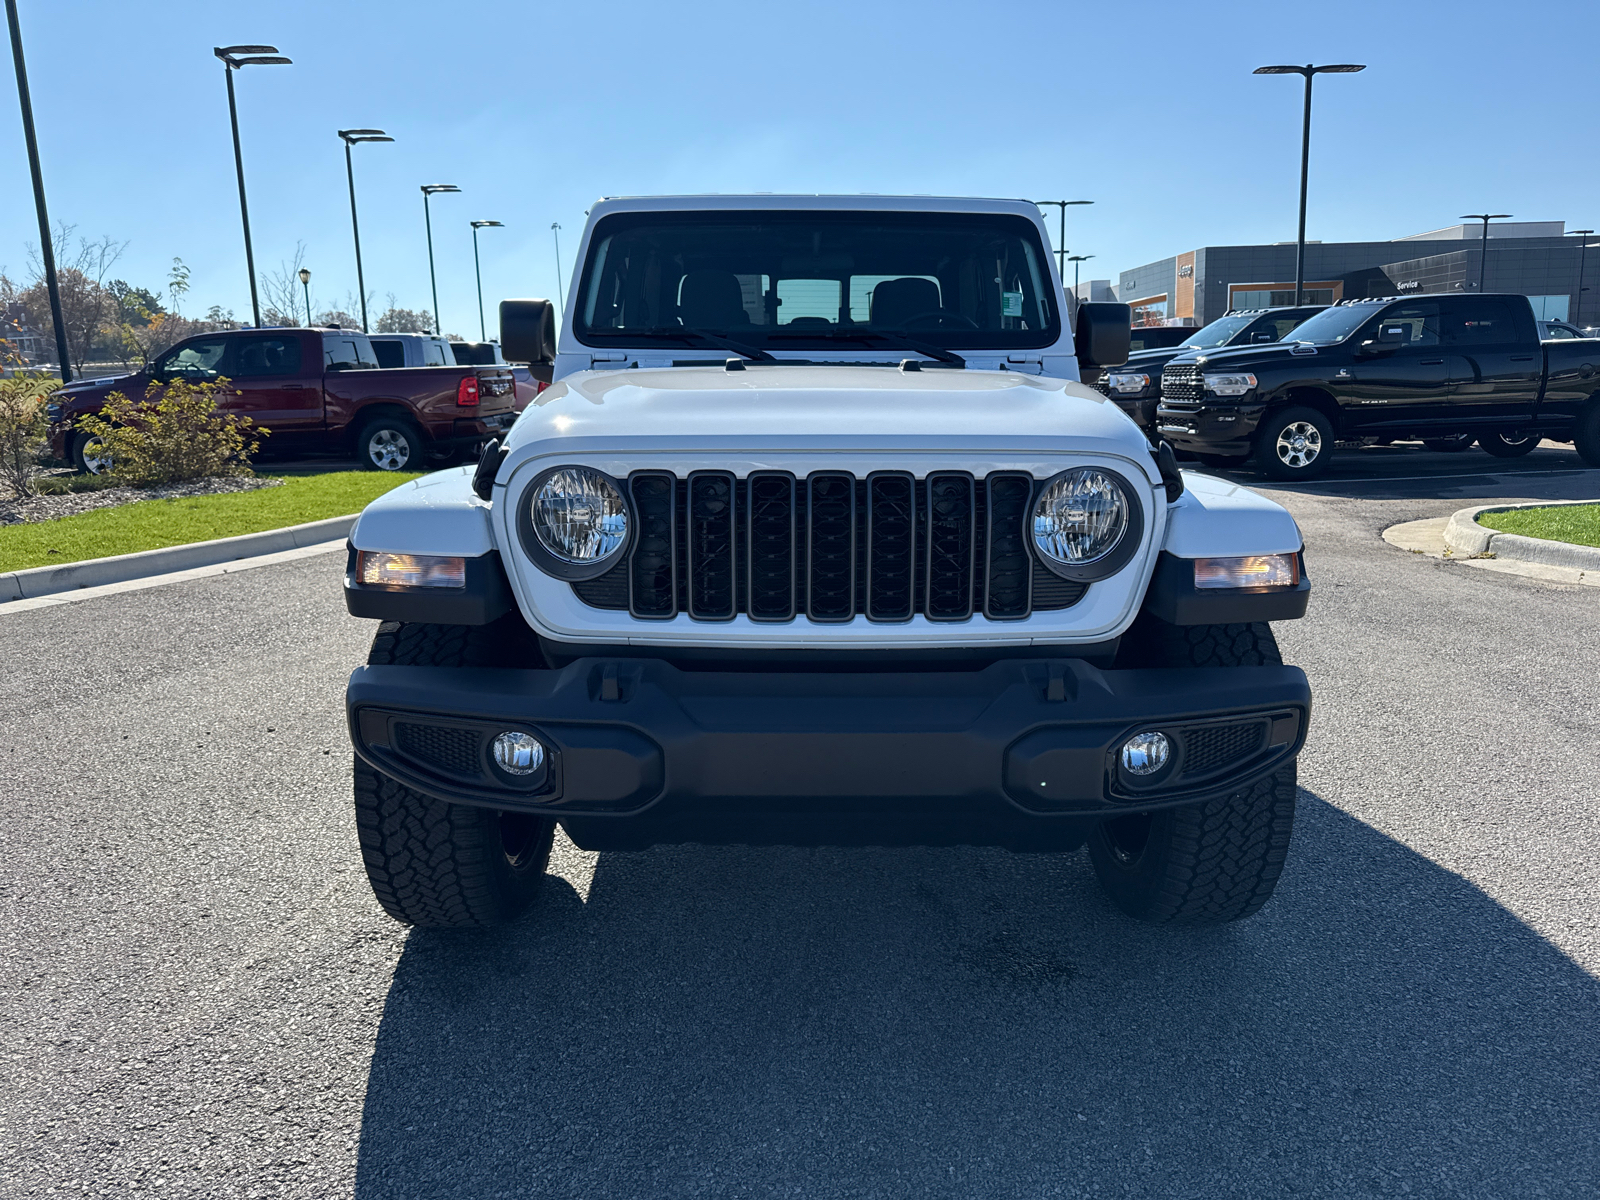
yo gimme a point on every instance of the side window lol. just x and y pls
(390, 354)
(1559, 331)
(1479, 323)
(260, 356)
(342, 351)
(1419, 323)
(432, 353)
(196, 360)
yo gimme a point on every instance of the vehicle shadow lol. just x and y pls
(744, 1022)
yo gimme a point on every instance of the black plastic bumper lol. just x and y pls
(1211, 429)
(1020, 753)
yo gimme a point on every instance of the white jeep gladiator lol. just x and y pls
(816, 538)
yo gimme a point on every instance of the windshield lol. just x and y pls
(1333, 324)
(816, 280)
(1217, 333)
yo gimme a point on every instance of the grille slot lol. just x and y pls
(1181, 384)
(454, 751)
(1212, 747)
(830, 547)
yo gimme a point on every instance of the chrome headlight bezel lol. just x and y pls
(1228, 383)
(1109, 561)
(549, 560)
(1127, 383)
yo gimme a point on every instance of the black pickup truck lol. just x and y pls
(1434, 367)
(1136, 385)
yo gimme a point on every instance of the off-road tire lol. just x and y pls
(440, 865)
(1294, 464)
(1499, 445)
(1209, 863)
(1586, 434)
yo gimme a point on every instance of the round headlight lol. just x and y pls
(579, 516)
(1080, 517)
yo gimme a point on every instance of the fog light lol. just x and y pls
(1145, 753)
(518, 753)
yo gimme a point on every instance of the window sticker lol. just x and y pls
(1010, 304)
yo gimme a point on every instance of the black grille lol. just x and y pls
(831, 547)
(447, 749)
(1180, 384)
(1102, 383)
(1214, 746)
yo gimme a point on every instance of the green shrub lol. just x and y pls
(24, 430)
(174, 435)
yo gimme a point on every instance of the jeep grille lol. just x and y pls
(830, 547)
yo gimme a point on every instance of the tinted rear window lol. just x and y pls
(390, 354)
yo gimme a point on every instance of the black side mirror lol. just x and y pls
(528, 331)
(1103, 334)
(1392, 335)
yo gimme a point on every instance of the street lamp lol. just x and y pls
(305, 282)
(1583, 248)
(555, 230)
(1075, 260)
(1305, 157)
(1061, 247)
(483, 334)
(234, 57)
(46, 247)
(428, 190)
(350, 137)
(1483, 253)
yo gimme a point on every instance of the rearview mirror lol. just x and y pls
(1103, 334)
(1263, 337)
(528, 331)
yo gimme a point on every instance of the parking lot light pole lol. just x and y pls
(1075, 260)
(1483, 252)
(1305, 156)
(234, 57)
(305, 282)
(428, 190)
(351, 137)
(1583, 250)
(483, 333)
(1061, 246)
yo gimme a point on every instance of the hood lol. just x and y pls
(84, 387)
(1266, 353)
(1159, 357)
(824, 408)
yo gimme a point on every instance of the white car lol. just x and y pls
(818, 539)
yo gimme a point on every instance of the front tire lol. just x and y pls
(88, 458)
(438, 865)
(1296, 443)
(1501, 446)
(1203, 864)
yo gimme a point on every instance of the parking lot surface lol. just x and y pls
(199, 996)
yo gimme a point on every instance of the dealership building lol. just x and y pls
(1536, 258)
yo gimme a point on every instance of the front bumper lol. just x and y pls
(1021, 753)
(1210, 428)
(1141, 408)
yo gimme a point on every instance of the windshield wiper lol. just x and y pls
(684, 333)
(898, 341)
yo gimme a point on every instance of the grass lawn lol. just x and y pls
(1578, 523)
(151, 524)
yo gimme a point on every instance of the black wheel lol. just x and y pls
(1454, 444)
(1206, 863)
(440, 865)
(86, 456)
(1501, 446)
(1586, 434)
(1294, 444)
(1224, 460)
(390, 444)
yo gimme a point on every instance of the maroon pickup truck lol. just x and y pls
(318, 391)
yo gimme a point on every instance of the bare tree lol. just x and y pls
(285, 294)
(85, 303)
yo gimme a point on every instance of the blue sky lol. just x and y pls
(536, 109)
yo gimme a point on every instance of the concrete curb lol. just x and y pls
(97, 572)
(1467, 539)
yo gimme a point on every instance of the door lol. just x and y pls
(1495, 363)
(1403, 377)
(275, 386)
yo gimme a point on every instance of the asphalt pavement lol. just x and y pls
(199, 997)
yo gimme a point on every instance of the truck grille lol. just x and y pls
(1102, 383)
(1181, 386)
(830, 547)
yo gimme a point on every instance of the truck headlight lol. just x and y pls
(1080, 518)
(1119, 381)
(1227, 384)
(577, 516)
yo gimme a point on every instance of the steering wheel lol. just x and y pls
(939, 315)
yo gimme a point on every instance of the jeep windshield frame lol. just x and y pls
(813, 280)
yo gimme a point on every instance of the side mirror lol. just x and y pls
(528, 331)
(1392, 335)
(1103, 334)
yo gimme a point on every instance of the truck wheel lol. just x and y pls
(1294, 444)
(440, 865)
(389, 444)
(1501, 446)
(1454, 444)
(1207, 863)
(87, 456)
(1586, 435)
